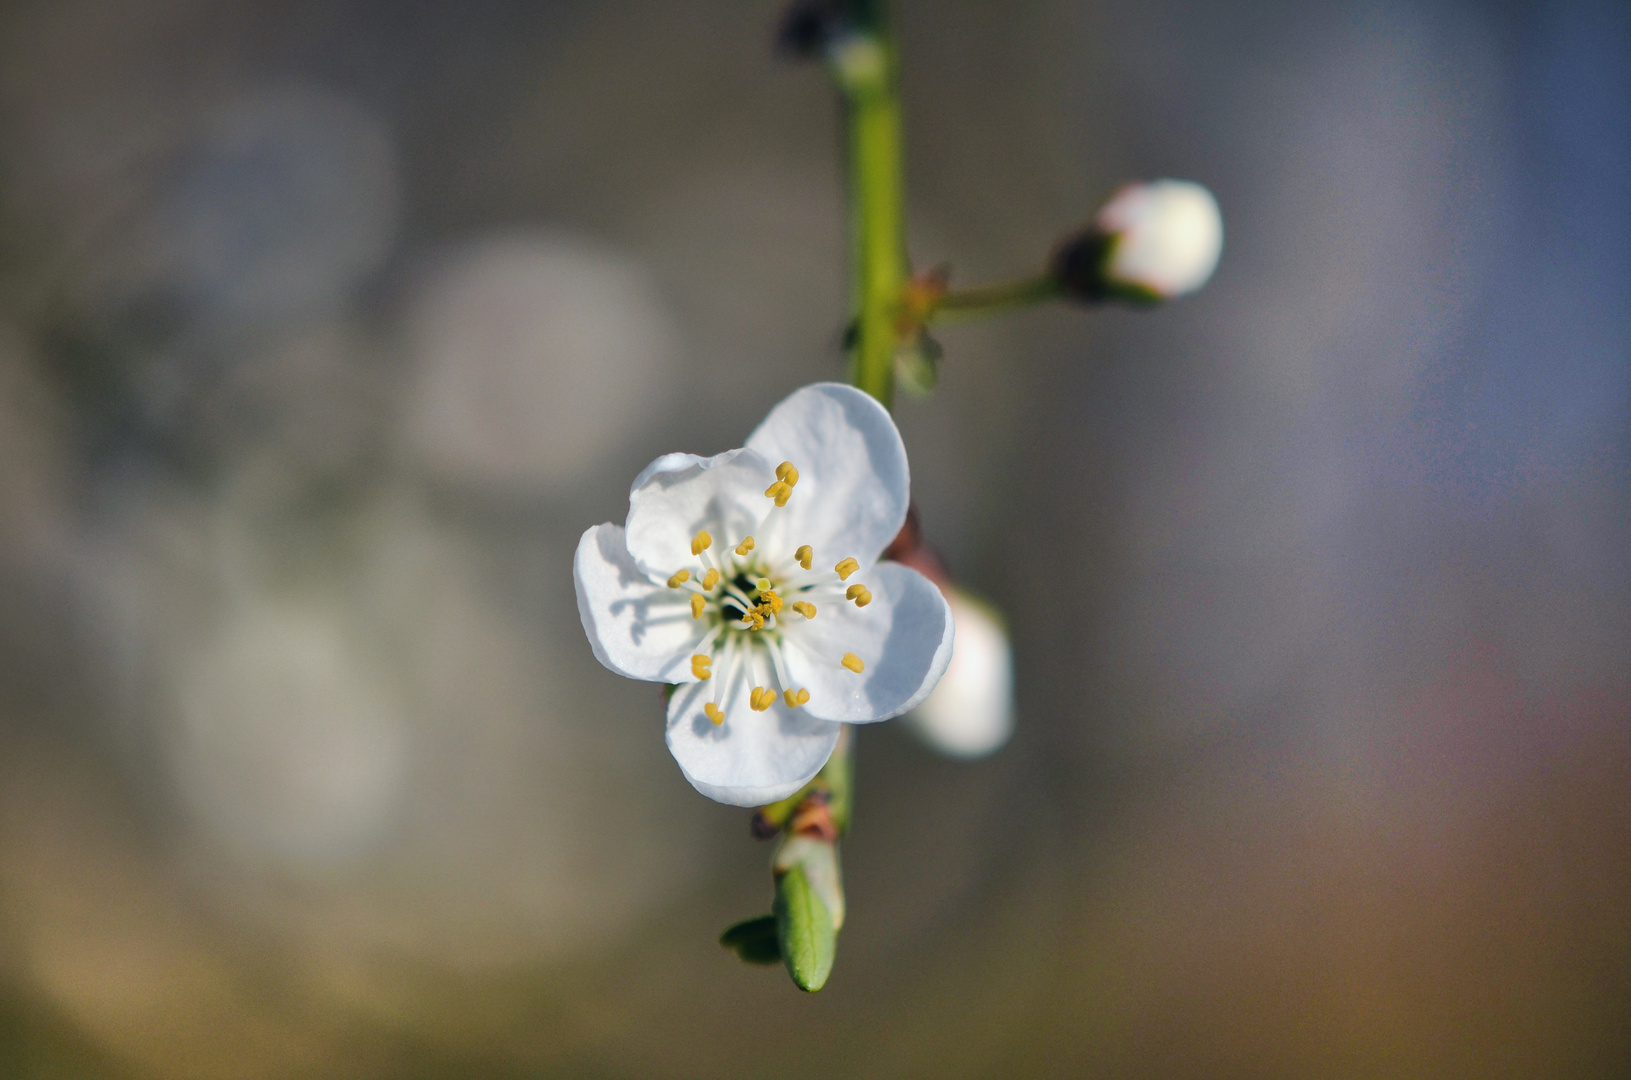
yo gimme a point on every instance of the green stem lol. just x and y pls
(863, 64)
(864, 67)
(994, 299)
(839, 773)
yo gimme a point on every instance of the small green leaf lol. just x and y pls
(917, 365)
(805, 931)
(754, 940)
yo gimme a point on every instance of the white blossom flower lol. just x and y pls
(751, 579)
(971, 713)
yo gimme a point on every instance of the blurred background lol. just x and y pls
(326, 329)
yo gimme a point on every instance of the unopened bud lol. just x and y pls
(1150, 242)
(971, 713)
(819, 861)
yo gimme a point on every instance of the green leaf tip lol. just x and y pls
(754, 940)
(804, 930)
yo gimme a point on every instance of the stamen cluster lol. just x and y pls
(740, 597)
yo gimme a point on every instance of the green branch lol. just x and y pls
(863, 65)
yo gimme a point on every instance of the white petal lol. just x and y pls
(752, 758)
(853, 486)
(971, 713)
(637, 629)
(679, 495)
(904, 637)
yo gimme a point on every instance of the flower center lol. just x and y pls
(751, 603)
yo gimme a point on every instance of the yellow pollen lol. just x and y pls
(679, 579)
(805, 556)
(853, 662)
(696, 605)
(787, 474)
(855, 592)
(795, 698)
(756, 618)
(701, 542)
(710, 579)
(781, 490)
(761, 698)
(773, 602)
(805, 608)
(699, 667)
(715, 713)
(846, 568)
(864, 599)
(745, 546)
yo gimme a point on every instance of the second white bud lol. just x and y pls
(1149, 242)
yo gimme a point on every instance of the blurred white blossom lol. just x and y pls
(286, 737)
(971, 713)
(535, 356)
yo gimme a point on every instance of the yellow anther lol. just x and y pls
(699, 667)
(745, 546)
(787, 474)
(854, 591)
(795, 698)
(805, 608)
(715, 713)
(701, 542)
(761, 698)
(773, 602)
(864, 599)
(696, 605)
(710, 579)
(853, 662)
(763, 584)
(781, 490)
(679, 579)
(756, 618)
(805, 555)
(846, 568)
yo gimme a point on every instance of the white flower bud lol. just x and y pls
(1151, 241)
(971, 713)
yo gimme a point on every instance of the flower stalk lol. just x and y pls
(995, 299)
